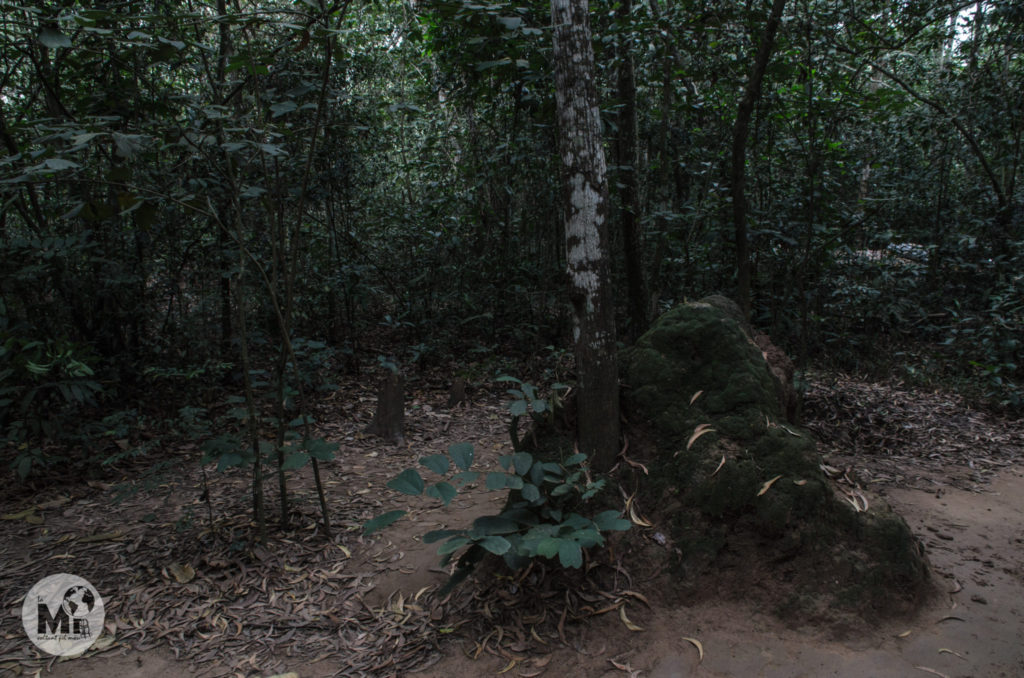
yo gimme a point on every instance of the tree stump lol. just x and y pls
(457, 393)
(389, 420)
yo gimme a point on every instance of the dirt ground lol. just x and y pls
(183, 597)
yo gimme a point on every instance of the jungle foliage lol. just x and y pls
(201, 192)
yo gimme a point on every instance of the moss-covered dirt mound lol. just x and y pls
(748, 496)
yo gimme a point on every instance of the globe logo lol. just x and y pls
(78, 603)
(63, 614)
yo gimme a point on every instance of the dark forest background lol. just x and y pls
(227, 204)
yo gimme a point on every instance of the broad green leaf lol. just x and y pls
(283, 107)
(569, 553)
(520, 516)
(588, 537)
(549, 547)
(522, 462)
(452, 545)
(506, 461)
(578, 458)
(438, 463)
(496, 545)
(539, 406)
(381, 521)
(517, 408)
(320, 449)
(510, 23)
(128, 145)
(176, 44)
(443, 491)
(228, 460)
(508, 378)
(485, 65)
(294, 461)
(438, 535)
(462, 455)
(496, 480)
(530, 492)
(84, 138)
(407, 482)
(561, 490)
(610, 520)
(272, 149)
(60, 164)
(485, 525)
(52, 38)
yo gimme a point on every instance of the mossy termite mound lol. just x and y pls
(747, 496)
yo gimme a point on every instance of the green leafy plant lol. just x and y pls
(543, 517)
(526, 401)
(43, 386)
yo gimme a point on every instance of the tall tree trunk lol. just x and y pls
(629, 168)
(585, 201)
(739, 154)
(220, 88)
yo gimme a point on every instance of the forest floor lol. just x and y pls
(186, 593)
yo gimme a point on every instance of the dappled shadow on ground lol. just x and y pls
(184, 594)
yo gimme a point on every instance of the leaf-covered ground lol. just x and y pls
(187, 595)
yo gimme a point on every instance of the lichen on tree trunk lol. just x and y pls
(585, 203)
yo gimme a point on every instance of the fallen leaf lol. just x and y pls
(182, 573)
(639, 596)
(633, 673)
(694, 397)
(719, 467)
(800, 483)
(102, 644)
(904, 634)
(102, 536)
(20, 515)
(767, 484)
(697, 433)
(53, 503)
(637, 519)
(931, 671)
(696, 643)
(946, 650)
(625, 620)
